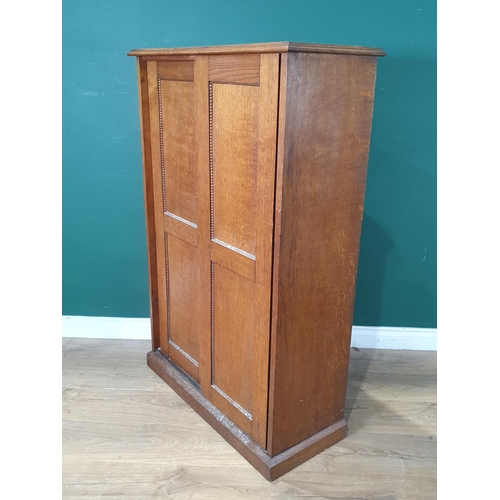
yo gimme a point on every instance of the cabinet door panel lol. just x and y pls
(172, 124)
(241, 127)
(213, 156)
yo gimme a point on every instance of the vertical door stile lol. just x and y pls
(278, 189)
(268, 116)
(142, 80)
(203, 161)
(156, 163)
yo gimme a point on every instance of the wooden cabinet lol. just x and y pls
(254, 163)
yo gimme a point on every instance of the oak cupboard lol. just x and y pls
(254, 160)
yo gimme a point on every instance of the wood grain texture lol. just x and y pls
(268, 116)
(180, 229)
(202, 119)
(228, 258)
(237, 68)
(175, 199)
(184, 305)
(148, 186)
(258, 165)
(233, 328)
(158, 199)
(176, 70)
(178, 149)
(235, 157)
(278, 204)
(127, 435)
(243, 159)
(327, 132)
(270, 468)
(261, 48)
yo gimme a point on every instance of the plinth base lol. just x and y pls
(270, 467)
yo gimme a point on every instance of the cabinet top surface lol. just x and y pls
(261, 48)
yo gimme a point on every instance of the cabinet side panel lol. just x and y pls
(155, 126)
(327, 131)
(142, 75)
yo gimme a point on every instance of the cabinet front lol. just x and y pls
(213, 122)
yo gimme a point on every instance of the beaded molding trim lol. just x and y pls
(211, 154)
(162, 158)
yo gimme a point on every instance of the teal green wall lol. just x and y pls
(104, 243)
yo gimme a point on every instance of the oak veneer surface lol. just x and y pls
(127, 435)
(327, 125)
(148, 186)
(211, 132)
(234, 164)
(262, 48)
(255, 168)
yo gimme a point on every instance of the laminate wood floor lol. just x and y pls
(127, 435)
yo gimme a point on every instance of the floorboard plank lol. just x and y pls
(127, 435)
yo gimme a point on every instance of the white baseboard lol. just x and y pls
(363, 337)
(96, 327)
(394, 337)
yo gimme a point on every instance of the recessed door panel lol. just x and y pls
(178, 149)
(183, 304)
(234, 149)
(233, 327)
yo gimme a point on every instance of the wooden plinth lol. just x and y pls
(270, 467)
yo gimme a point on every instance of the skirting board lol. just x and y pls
(363, 337)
